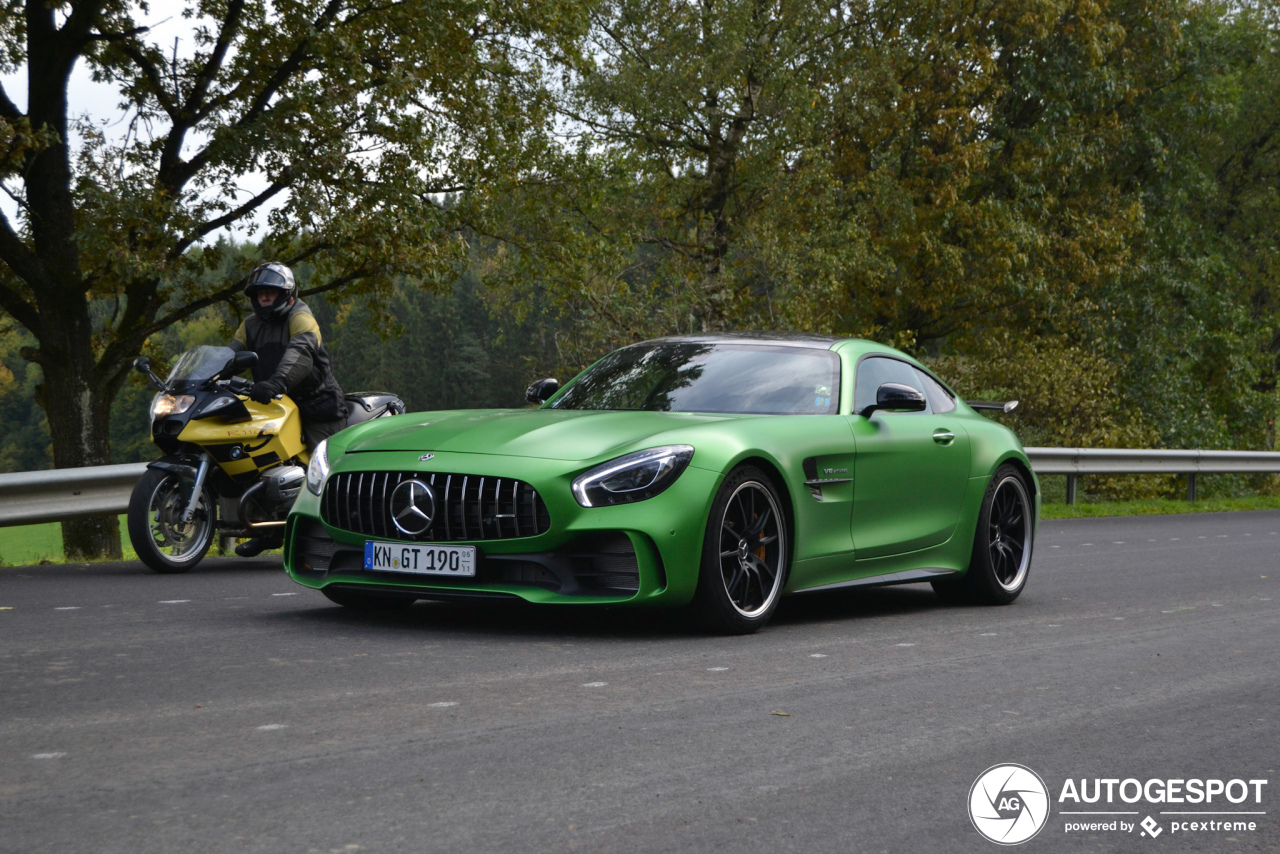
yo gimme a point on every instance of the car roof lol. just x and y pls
(777, 339)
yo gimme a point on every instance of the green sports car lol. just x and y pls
(720, 472)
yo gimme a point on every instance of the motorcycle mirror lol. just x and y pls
(243, 360)
(143, 366)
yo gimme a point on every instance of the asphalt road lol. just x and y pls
(231, 710)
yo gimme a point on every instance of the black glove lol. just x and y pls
(263, 392)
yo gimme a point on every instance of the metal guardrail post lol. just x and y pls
(1191, 486)
(1071, 488)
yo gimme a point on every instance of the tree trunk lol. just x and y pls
(76, 399)
(79, 408)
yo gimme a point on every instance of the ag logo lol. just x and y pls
(1009, 804)
(412, 506)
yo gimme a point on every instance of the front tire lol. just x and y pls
(1002, 545)
(162, 540)
(745, 555)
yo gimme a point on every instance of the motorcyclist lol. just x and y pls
(292, 360)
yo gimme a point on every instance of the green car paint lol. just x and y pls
(897, 495)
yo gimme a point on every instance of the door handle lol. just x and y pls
(943, 436)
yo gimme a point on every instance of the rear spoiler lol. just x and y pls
(993, 405)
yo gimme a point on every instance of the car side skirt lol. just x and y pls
(910, 576)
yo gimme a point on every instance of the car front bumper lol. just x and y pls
(647, 552)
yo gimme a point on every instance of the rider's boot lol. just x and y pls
(258, 545)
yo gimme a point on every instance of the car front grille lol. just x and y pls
(468, 507)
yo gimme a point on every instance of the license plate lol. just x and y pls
(459, 561)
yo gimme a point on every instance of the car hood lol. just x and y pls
(544, 433)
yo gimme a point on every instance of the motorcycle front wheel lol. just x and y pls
(162, 540)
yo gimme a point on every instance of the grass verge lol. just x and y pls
(1158, 507)
(25, 545)
(30, 545)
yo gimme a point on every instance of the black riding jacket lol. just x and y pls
(291, 354)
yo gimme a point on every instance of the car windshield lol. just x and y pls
(686, 376)
(200, 363)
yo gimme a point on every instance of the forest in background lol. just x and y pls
(1076, 204)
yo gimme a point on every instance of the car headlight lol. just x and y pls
(318, 468)
(634, 477)
(167, 404)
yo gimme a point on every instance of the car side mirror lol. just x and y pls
(896, 397)
(541, 391)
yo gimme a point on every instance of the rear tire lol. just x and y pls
(162, 540)
(366, 600)
(1002, 546)
(745, 555)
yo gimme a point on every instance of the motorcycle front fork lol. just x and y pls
(202, 471)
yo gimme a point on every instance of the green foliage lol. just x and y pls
(900, 171)
(1067, 393)
(24, 441)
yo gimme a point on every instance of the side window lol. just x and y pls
(872, 373)
(940, 400)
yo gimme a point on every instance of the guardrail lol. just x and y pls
(51, 496)
(1074, 462)
(28, 497)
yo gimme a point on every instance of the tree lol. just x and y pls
(688, 122)
(352, 116)
(903, 170)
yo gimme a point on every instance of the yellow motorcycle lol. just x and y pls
(232, 467)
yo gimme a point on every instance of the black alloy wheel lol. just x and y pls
(1009, 533)
(1002, 544)
(745, 555)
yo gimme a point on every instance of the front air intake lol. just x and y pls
(467, 507)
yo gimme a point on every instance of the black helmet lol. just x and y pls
(271, 275)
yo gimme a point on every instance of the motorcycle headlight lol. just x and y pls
(634, 477)
(318, 468)
(167, 404)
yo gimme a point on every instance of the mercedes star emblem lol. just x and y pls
(412, 506)
(425, 457)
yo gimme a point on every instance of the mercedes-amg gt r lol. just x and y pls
(720, 472)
